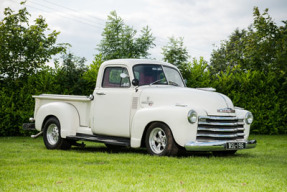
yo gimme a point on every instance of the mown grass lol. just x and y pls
(26, 165)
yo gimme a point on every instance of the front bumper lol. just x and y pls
(216, 145)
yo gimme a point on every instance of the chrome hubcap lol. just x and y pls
(53, 134)
(157, 140)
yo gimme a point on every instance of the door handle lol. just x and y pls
(100, 93)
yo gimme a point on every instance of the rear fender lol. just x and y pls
(66, 113)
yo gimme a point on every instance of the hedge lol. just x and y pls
(264, 94)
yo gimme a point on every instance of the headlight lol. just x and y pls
(248, 118)
(192, 116)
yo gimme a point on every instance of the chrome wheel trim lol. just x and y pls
(52, 134)
(157, 140)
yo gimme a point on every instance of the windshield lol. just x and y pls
(149, 74)
(173, 76)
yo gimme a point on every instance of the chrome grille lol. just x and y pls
(220, 128)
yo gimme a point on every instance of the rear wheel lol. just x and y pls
(159, 140)
(52, 135)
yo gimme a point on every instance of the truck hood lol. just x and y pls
(210, 102)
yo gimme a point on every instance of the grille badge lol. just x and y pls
(226, 110)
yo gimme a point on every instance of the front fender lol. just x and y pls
(241, 114)
(66, 113)
(173, 116)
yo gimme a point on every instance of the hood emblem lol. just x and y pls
(150, 103)
(226, 110)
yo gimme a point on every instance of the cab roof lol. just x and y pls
(132, 62)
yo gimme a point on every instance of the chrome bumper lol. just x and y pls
(215, 145)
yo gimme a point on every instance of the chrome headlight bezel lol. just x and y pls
(192, 116)
(249, 118)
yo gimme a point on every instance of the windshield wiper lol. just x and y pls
(173, 83)
(158, 81)
(163, 79)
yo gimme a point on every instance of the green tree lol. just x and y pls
(250, 67)
(196, 73)
(91, 74)
(25, 48)
(120, 41)
(230, 53)
(266, 44)
(261, 47)
(69, 76)
(175, 52)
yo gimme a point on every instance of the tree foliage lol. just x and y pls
(120, 41)
(175, 52)
(196, 73)
(17, 104)
(250, 67)
(261, 47)
(69, 76)
(231, 52)
(25, 48)
(91, 74)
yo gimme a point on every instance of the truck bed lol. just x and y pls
(81, 103)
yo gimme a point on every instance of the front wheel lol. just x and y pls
(52, 135)
(159, 140)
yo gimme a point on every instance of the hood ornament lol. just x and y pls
(226, 110)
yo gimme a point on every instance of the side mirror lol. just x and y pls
(135, 82)
(123, 75)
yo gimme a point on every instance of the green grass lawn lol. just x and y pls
(26, 165)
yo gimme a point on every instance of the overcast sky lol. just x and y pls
(202, 23)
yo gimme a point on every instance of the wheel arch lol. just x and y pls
(46, 119)
(146, 128)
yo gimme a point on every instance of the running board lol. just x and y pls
(102, 139)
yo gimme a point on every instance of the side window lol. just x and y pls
(116, 77)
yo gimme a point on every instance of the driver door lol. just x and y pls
(112, 103)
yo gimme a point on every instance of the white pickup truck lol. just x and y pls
(143, 103)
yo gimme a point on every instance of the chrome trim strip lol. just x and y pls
(220, 136)
(100, 93)
(211, 89)
(215, 145)
(219, 129)
(223, 124)
(180, 105)
(219, 118)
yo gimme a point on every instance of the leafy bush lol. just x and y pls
(196, 73)
(17, 104)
